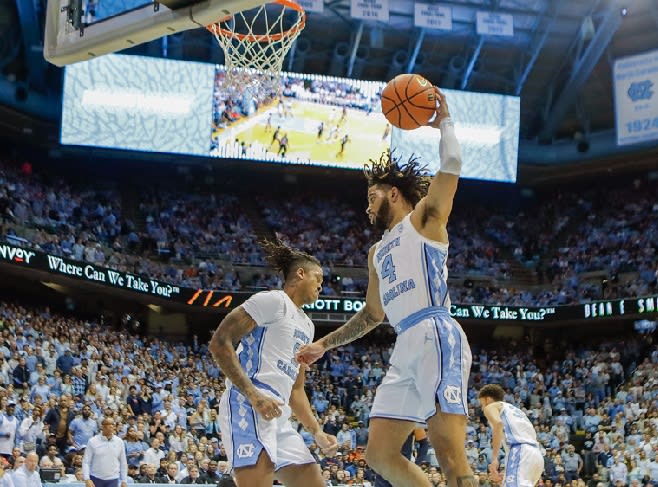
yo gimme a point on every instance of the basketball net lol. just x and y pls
(255, 42)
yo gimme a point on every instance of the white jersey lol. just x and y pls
(517, 427)
(267, 354)
(412, 271)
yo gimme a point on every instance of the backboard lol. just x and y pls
(79, 30)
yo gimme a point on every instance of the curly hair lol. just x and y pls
(493, 391)
(284, 258)
(410, 178)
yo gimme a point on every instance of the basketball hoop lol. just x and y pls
(255, 42)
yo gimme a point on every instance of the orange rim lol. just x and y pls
(294, 30)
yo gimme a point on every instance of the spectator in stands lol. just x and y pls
(193, 477)
(82, 429)
(65, 362)
(573, 463)
(31, 431)
(21, 376)
(52, 460)
(5, 477)
(154, 454)
(27, 475)
(149, 476)
(58, 420)
(8, 429)
(212, 475)
(170, 476)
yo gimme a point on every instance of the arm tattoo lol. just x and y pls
(231, 368)
(357, 326)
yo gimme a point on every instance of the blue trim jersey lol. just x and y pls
(412, 271)
(517, 427)
(267, 354)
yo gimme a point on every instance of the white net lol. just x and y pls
(255, 43)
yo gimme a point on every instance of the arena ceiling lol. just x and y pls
(559, 59)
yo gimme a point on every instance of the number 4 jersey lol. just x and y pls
(412, 271)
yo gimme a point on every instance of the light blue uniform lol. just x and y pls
(525, 463)
(267, 355)
(431, 359)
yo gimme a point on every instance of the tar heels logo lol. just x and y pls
(245, 450)
(453, 394)
(640, 90)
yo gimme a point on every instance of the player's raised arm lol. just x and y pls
(438, 203)
(358, 325)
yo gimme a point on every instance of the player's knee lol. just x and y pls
(376, 457)
(452, 459)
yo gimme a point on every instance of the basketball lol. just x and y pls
(408, 101)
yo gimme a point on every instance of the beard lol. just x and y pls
(383, 216)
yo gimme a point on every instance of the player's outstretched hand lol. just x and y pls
(495, 475)
(442, 111)
(268, 407)
(310, 353)
(327, 443)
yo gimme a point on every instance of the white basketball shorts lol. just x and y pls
(245, 434)
(524, 466)
(430, 363)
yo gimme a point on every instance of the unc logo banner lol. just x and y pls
(640, 91)
(636, 107)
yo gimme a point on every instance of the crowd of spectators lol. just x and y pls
(363, 95)
(595, 244)
(594, 406)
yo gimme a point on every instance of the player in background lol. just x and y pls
(275, 137)
(264, 381)
(387, 131)
(512, 428)
(283, 145)
(343, 143)
(431, 360)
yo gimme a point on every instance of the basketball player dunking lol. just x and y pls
(264, 382)
(427, 378)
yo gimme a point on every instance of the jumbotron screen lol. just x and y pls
(487, 127)
(161, 105)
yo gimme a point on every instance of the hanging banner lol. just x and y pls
(433, 16)
(636, 106)
(312, 5)
(494, 24)
(369, 10)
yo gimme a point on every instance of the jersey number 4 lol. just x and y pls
(388, 269)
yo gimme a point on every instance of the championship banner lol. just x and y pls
(432, 16)
(636, 107)
(206, 298)
(312, 5)
(369, 10)
(494, 24)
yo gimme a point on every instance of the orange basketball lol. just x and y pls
(408, 101)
